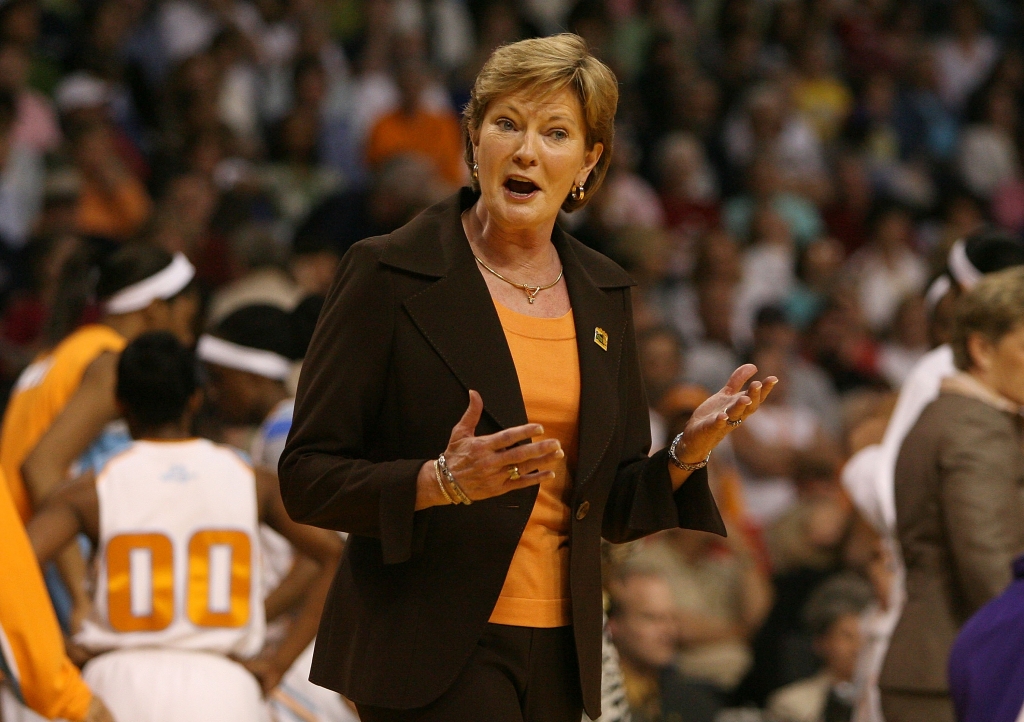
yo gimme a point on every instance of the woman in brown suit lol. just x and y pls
(471, 584)
(959, 511)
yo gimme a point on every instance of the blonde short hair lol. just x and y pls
(993, 308)
(547, 65)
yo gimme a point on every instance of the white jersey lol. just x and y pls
(177, 561)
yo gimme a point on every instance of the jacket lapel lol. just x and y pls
(593, 308)
(457, 317)
(455, 313)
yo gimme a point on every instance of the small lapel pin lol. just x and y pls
(601, 338)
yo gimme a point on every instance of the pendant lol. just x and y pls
(531, 292)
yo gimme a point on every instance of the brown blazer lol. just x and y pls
(960, 520)
(408, 327)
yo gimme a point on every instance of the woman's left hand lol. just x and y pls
(710, 421)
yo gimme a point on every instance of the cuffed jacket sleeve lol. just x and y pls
(332, 478)
(641, 501)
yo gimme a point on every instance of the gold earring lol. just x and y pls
(476, 172)
(578, 192)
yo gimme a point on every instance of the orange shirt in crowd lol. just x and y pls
(433, 135)
(118, 214)
(536, 590)
(40, 394)
(31, 643)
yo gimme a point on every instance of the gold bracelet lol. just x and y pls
(460, 493)
(456, 489)
(444, 492)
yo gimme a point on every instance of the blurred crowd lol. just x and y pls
(788, 177)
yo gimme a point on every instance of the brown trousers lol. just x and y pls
(515, 674)
(917, 707)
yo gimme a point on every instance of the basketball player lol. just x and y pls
(142, 288)
(63, 402)
(175, 521)
(249, 356)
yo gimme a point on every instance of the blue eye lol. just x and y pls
(560, 135)
(505, 124)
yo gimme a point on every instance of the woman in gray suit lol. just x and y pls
(959, 511)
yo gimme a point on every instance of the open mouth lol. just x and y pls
(521, 188)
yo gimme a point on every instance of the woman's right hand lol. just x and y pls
(482, 465)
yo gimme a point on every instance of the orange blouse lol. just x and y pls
(536, 590)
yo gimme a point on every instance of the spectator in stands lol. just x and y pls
(628, 200)
(810, 534)
(721, 596)
(819, 269)
(833, 616)
(688, 185)
(927, 127)
(808, 385)
(36, 125)
(296, 183)
(769, 447)
(766, 186)
(907, 341)
(768, 277)
(819, 95)
(113, 203)
(315, 256)
(642, 619)
(414, 129)
(989, 156)
(769, 126)
(661, 364)
(708, 357)
(846, 218)
(262, 275)
(964, 57)
(887, 269)
(22, 179)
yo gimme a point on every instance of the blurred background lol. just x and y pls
(788, 177)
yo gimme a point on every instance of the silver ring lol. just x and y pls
(735, 423)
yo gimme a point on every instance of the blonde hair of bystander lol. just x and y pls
(993, 308)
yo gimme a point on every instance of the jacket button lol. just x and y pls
(581, 512)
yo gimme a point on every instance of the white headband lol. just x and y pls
(937, 291)
(163, 284)
(230, 355)
(960, 267)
